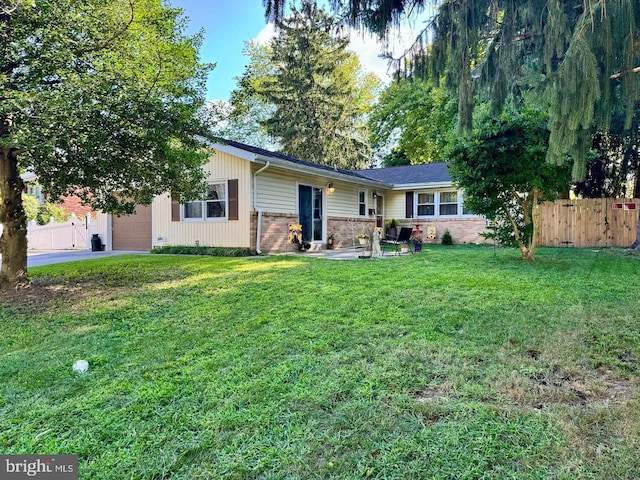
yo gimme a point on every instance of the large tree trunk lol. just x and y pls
(13, 242)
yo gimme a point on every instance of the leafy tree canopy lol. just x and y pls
(503, 172)
(412, 122)
(98, 99)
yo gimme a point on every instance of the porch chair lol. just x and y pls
(403, 238)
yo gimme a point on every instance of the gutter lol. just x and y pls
(255, 205)
(321, 172)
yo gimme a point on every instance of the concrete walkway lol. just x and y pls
(338, 254)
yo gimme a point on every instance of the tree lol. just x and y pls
(413, 122)
(503, 172)
(582, 58)
(314, 87)
(98, 100)
(242, 118)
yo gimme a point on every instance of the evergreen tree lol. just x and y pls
(319, 109)
(581, 56)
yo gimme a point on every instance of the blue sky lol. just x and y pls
(228, 23)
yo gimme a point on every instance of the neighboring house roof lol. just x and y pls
(28, 177)
(403, 177)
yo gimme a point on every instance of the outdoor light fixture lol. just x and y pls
(374, 194)
(330, 187)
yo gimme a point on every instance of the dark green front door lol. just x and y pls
(310, 212)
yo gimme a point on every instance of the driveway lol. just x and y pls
(36, 258)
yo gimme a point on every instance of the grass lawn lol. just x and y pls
(459, 362)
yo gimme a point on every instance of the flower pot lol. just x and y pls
(363, 241)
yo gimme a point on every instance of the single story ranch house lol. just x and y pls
(255, 194)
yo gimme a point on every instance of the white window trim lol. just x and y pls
(457, 203)
(203, 218)
(435, 203)
(436, 193)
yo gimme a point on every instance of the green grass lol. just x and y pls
(459, 362)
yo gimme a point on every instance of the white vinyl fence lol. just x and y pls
(74, 234)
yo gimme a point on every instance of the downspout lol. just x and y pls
(255, 205)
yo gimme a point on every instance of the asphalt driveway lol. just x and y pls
(46, 257)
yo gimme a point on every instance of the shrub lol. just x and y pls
(30, 205)
(447, 239)
(209, 251)
(48, 210)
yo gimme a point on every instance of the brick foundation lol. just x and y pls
(344, 229)
(463, 230)
(275, 230)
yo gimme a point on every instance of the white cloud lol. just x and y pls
(266, 34)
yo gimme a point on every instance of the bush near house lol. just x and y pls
(208, 251)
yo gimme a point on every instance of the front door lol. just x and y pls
(310, 213)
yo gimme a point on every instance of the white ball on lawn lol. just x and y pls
(80, 366)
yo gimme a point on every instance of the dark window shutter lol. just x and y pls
(175, 211)
(233, 199)
(409, 209)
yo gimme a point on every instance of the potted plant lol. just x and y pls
(391, 227)
(416, 242)
(363, 238)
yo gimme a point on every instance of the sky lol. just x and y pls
(228, 23)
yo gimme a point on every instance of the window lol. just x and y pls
(362, 203)
(214, 206)
(426, 204)
(448, 203)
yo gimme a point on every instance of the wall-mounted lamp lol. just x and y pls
(374, 194)
(330, 187)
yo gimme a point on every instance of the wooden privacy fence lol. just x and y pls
(589, 222)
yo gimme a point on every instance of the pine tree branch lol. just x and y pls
(619, 74)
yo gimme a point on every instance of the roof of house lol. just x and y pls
(266, 153)
(430, 173)
(409, 174)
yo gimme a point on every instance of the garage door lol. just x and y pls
(132, 232)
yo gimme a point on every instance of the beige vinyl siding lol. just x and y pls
(395, 204)
(222, 233)
(343, 202)
(278, 192)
